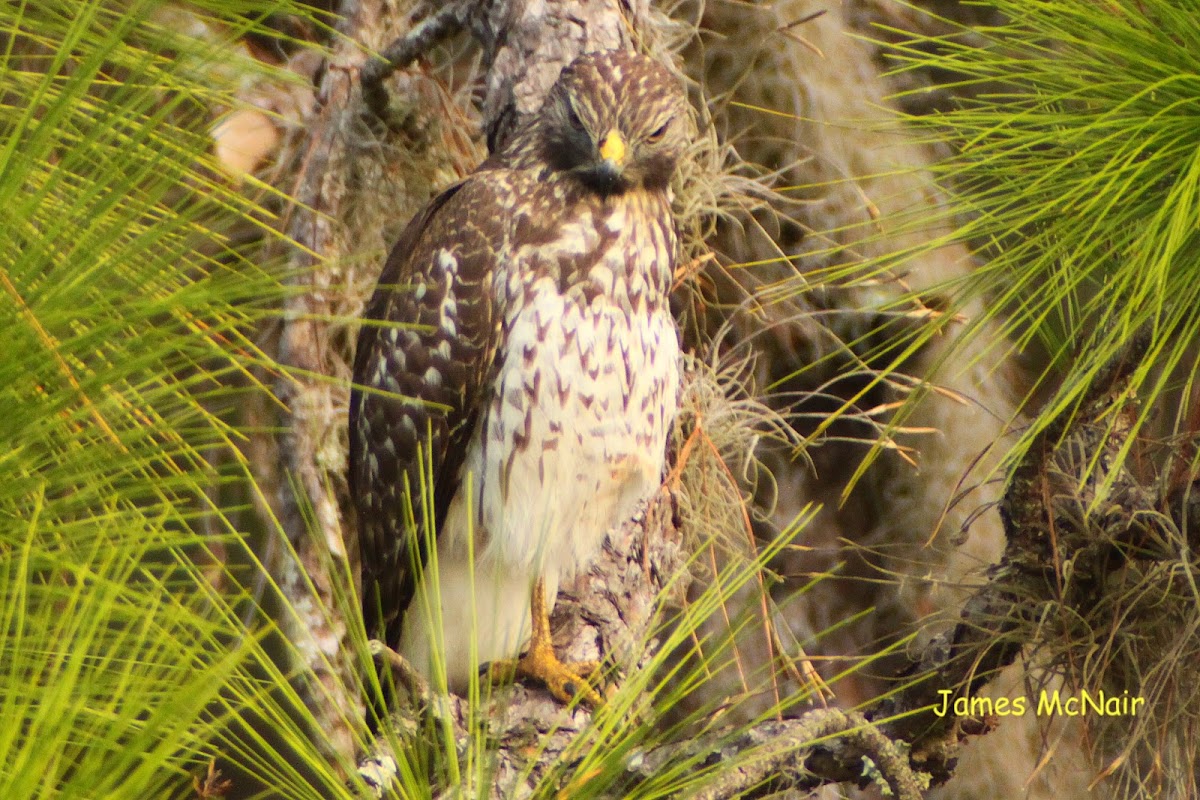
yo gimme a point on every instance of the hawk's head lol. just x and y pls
(617, 121)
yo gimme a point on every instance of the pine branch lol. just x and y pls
(781, 756)
(444, 22)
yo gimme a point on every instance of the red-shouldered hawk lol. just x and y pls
(519, 360)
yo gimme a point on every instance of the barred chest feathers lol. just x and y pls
(574, 434)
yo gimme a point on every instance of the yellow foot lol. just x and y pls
(565, 680)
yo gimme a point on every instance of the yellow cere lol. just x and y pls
(613, 148)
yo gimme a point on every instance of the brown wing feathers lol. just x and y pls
(417, 372)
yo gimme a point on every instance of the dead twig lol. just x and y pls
(446, 21)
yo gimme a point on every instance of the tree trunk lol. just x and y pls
(355, 180)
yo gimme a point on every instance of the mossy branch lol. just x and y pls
(822, 746)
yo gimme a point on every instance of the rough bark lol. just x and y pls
(357, 178)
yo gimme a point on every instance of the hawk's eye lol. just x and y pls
(658, 134)
(573, 118)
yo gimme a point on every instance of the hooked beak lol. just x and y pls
(606, 174)
(612, 150)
